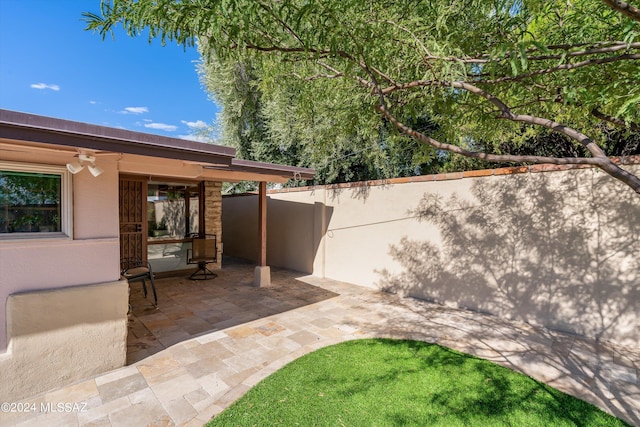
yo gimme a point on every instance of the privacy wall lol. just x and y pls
(558, 248)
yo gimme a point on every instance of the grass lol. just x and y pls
(383, 382)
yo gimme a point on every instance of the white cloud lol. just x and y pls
(43, 86)
(161, 126)
(92, 102)
(199, 124)
(135, 110)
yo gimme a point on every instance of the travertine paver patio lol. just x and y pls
(189, 308)
(193, 380)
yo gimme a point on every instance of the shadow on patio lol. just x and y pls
(188, 308)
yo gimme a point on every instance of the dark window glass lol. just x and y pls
(30, 202)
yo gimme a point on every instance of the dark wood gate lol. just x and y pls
(133, 221)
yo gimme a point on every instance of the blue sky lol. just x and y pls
(50, 66)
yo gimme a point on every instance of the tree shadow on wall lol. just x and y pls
(564, 254)
(174, 217)
(356, 190)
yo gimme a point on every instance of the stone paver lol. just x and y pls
(193, 380)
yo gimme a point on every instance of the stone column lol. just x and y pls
(213, 216)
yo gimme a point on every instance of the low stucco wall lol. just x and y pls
(58, 337)
(553, 248)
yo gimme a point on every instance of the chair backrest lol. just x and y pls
(204, 248)
(129, 263)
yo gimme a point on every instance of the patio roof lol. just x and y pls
(268, 168)
(31, 128)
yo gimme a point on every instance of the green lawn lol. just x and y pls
(396, 383)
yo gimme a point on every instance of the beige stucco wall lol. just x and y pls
(63, 309)
(240, 226)
(92, 256)
(61, 336)
(558, 249)
(295, 229)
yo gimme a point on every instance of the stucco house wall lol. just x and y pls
(62, 299)
(45, 282)
(63, 306)
(551, 246)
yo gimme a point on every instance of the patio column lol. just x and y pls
(262, 273)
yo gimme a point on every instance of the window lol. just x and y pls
(173, 216)
(172, 210)
(35, 201)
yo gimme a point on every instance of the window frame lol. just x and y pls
(66, 202)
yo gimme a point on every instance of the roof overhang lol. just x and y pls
(32, 128)
(217, 161)
(259, 168)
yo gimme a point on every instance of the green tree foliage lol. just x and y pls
(276, 123)
(484, 72)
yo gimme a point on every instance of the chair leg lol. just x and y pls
(144, 288)
(153, 288)
(202, 273)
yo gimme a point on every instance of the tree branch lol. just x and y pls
(614, 120)
(506, 113)
(599, 158)
(321, 52)
(606, 164)
(625, 57)
(479, 155)
(594, 51)
(282, 23)
(360, 80)
(624, 8)
(319, 76)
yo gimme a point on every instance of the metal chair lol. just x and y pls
(134, 269)
(203, 251)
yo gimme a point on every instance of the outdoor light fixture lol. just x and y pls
(95, 170)
(76, 167)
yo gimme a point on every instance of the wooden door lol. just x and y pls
(133, 218)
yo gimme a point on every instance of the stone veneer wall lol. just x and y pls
(213, 216)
